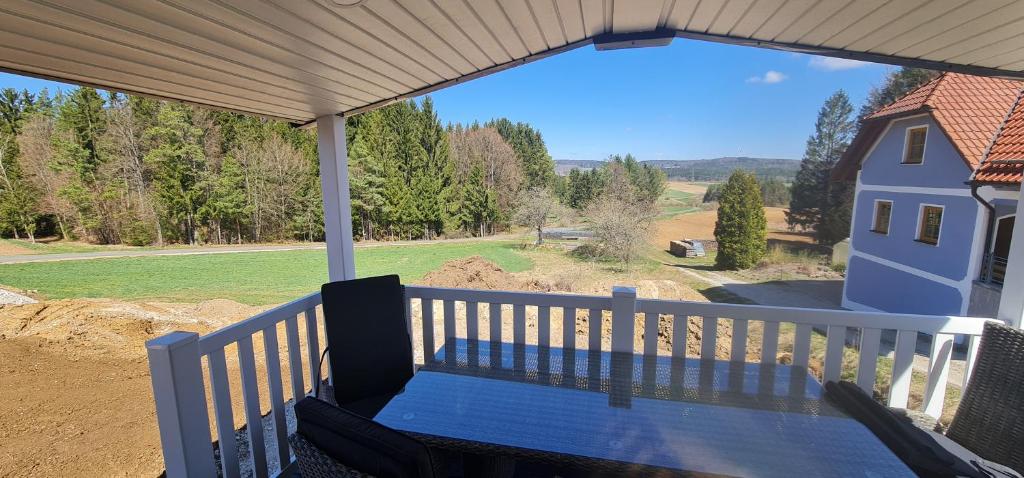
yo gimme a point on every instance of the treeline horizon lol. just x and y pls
(123, 169)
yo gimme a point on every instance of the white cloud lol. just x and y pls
(828, 63)
(770, 77)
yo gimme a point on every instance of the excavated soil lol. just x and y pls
(76, 386)
(9, 249)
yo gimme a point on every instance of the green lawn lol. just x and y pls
(256, 278)
(673, 203)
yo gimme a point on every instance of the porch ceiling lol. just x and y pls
(301, 59)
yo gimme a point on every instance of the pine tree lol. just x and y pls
(179, 164)
(897, 84)
(813, 198)
(741, 228)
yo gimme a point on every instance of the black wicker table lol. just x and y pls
(623, 413)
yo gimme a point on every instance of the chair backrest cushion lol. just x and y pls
(361, 443)
(371, 353)
(990, 418)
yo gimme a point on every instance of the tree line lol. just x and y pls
(774, 192)
(122, 169)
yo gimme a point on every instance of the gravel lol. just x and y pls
(10, 298)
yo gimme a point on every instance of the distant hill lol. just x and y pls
(716, 169)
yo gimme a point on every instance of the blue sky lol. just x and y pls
(690, 100)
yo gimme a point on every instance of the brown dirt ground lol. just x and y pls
(701, 225)
(688, 187)
(8, 249)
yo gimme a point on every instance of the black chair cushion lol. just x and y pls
(361, 443)
(371, 353)
(367, 407)
(926, 453)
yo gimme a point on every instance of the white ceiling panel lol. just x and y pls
(301, 59)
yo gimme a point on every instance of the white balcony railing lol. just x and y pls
(185, 384)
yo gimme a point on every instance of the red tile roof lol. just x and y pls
(1004, 162)
(982, 117)
(969, 109)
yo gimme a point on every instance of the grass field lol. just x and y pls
(255, 278)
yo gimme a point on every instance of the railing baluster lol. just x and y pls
(680, 323)
(651, 334)
(594, 334)
(544, 326)
(867, 367)
(770, 342)
(221, 392)
(834, 353)
(472, 320)
(518, 324)
(970, 359)
(427, 313)
(738, 353)
(312, 348)
(251, 400)
(707, 341)
(938, 374)
(569, 328)
(291, 331)
(494, 318)
(802, 345)
(449, 320)
(274, 384)
(902, 367)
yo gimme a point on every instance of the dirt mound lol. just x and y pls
(478, 273)
(103, 326)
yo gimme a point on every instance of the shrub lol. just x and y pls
(839, 267)
(741, 229)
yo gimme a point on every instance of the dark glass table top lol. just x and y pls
(701, 416)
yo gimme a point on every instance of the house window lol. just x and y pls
(883, 213)
(913, 151)
(930, 224)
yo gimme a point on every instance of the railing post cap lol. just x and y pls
(172, 340)
(624, 291)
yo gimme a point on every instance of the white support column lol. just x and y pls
(176, 370)
(337, 203)
(623, 318)
(1011, 302)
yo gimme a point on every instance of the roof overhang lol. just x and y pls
(301, 59)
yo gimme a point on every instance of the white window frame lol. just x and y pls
(920, 218)
(874, 217)
(906, 145)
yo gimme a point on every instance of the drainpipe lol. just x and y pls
(991, 223)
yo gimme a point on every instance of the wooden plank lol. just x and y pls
(938, 374)
(291, 331)
(902, 367)
(427, 312)
(473, 320)
(251, 405)
(519, 324)
(544, 326)
(802, 345)
(970, 360)
(707, 341)
(680, 323)
(738, 353)
(594, 320)
(495, 321)
(221, 393)
(834, 353)
(274, 385)
(770, 343)
(449, 320)
(869, 340)
(312, 348)
(569, 328)
(221, 338)
(651, 334)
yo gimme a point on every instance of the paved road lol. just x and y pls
(186, 251)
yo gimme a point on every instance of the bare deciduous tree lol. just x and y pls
(534, 207)
(621, 222)
(484, 147)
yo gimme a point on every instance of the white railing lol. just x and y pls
(176, 360)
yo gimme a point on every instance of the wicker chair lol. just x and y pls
(990, 418)
(314, 463)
